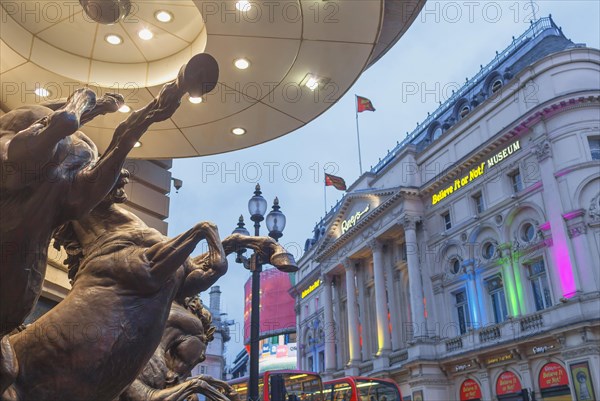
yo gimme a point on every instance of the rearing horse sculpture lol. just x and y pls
(95, 342)
(50, 173)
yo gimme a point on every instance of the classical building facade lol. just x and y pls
(465, 264)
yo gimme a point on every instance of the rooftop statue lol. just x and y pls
(182, 347)
(97, 341)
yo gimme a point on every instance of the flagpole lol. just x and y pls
(358, 135)
(325, 190)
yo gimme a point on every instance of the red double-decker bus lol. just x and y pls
(356, 388)
(283, 385)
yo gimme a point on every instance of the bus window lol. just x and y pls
(342, 392)
(376, 390)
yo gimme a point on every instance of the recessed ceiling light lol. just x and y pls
(163, 16)
(124, 109)
(238, 131)
(243, 5)
(113, 39)
(312, 81)
(195, 100)
(138, 144)
(242, 63)
(42, 92)
(145, 34)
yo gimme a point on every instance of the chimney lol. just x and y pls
(215, 300)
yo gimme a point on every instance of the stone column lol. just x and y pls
(353, 340)
(473, 291)
(392, 304)
(383, 335)
(565, 272)
(330, 330)
(362, 313)
(414, 276)
(578, 234)
(510, 287)
(337, 285)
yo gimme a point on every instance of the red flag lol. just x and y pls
(362, 104)
(337, 182)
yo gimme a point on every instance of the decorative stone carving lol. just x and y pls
(542, 150)
(594, 209)
(409, 222)
(577, 229)
(375, 245)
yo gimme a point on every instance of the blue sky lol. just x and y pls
(446, 44)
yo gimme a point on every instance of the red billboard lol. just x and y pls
(470, 390)
(508, 383)
(553, 375)
(277, 313)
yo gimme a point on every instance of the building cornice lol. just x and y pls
(330, 245)
(519, 127)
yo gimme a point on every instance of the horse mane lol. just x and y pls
(194, 304)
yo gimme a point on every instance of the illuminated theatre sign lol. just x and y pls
(352, 220)
(476, 172)
(311, 288)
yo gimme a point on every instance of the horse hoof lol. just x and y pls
(284, 261)
(199, 75)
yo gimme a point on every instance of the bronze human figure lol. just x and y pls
(50, 173)
(183, 346)
(96, 342)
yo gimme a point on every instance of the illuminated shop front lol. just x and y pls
(463, 264)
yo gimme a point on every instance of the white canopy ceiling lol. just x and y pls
(54, 45)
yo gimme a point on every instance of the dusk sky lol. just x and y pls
(446, 44)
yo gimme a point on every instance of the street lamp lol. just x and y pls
(257, 206)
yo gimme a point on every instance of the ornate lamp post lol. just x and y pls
(257, 206)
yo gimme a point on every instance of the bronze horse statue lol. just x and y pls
(183, 345)
(50, 174)
(96, 342)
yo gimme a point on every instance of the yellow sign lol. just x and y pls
(311, 288)
(501, 358)
(475, 173)
(351, 222)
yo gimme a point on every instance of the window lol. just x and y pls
(447, 221)
(489, 250)
(437, 133)
(455, 266)
(527, 232)
(478, 200)
(464, 110)
(539, 285)
(496, 85)
(495, 288)
(462, 311)
(594, 147)
(516, 182)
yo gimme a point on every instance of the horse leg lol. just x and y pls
(204, 271)
(166, 257)
(92, 185)
(268, 249)
(9, 367)
(223, 387)
(35, 145)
